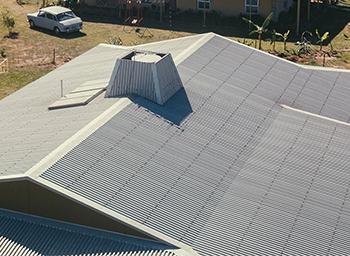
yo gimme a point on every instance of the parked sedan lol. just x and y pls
(55, 18)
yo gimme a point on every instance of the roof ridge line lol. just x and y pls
(315, 115)
(193, 48)
(202, 39)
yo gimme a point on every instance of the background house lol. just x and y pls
(236, 7)
(225, 7)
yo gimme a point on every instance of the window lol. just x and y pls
(203, 4)
(41, 14)
(252, 6)
(65, 16)
(50, 16)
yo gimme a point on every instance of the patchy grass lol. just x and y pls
(16, 79)
(34, 47)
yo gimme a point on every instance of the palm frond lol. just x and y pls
(250, 22)
(267, 21)
(317, 34)
(325, 36)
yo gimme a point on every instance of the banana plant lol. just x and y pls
(259, 30)
(304, 45)
(284, 38)
(274, 36)
(322, 38)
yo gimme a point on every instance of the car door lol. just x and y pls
(41, 20)
(51, 21)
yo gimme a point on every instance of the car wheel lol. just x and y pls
(31, 24)
(57, 30)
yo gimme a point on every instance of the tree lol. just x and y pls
(322, 38)
(8, 21)
(259, 30)
(284, 38)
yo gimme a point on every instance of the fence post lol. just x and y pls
(54, 56)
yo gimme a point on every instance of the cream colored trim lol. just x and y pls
(315, 115)
(13, 177)
(202, 39)
(77, 138)
(325, 68)
(193, 48)
(181, 252)
(113, 215)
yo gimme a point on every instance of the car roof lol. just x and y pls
(55, 9)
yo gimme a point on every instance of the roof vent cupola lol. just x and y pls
(153, 76)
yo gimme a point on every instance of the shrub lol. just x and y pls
(8, 21)
(3, 53)
(115, 40)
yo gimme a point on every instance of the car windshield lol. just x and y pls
(65, 16)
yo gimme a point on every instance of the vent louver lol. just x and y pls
(153, 76)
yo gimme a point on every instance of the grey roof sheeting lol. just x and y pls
(222, 166)
(23, 235)
(29, 131)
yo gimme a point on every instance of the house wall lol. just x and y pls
(187, 4)
(281, 5)
(228, 7)
(26, 197)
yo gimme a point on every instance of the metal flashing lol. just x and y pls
(81, 95)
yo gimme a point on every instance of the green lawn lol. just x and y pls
(16, 79)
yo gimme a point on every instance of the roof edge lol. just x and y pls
(185, 249)
(13, 177)
(106, 233)
(311, 67)
(193, 48)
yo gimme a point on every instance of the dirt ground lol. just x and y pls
(34, 47)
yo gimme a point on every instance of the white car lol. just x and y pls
(55, 18)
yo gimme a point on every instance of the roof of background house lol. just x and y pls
(251, 157)
(22, 234)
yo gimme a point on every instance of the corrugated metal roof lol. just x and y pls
(22, 235)
(29, 132)
(238, 174)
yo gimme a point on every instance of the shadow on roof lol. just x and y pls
(175, 110)
(25, 234)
